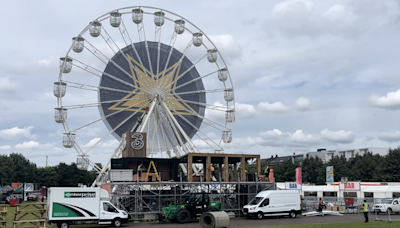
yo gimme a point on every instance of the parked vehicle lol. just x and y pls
(34, 196)
(274, 203)
(73, 206)
(197, 204)
(388, 206)
(19, 197)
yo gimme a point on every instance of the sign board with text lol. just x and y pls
(292, 186)
(350, 186)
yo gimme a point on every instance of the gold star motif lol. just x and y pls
(152, 80)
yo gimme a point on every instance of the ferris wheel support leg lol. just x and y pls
(175, 123)
(193, 147)
(146, 120)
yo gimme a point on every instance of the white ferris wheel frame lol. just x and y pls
(167, 110)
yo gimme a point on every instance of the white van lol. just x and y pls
(274, 203)
(76, 206)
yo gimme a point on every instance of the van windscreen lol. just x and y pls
(256, 201)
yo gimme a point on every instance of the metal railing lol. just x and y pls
(139, 198)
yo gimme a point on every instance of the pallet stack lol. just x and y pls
(3, 216)
(36, 210)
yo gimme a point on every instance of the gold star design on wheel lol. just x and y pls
(146, 82)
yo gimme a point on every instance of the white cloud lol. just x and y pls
(27, 145)
(390, 137)
(303, 104)
(17, 133)
(338, 136)
(6, 85)
(276, 107)
(91, 142)
(6, 147)
(276, 138)
(390, 101)
(228, 47)
(245, 110)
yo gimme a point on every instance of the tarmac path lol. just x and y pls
(269, 221)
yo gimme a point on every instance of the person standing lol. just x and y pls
(365, 211)
(212, 171)
(267, 173)
(321, 207)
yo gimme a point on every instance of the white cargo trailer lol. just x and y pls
(72, 206)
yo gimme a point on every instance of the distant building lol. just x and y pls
(327, 155)
(273, 161)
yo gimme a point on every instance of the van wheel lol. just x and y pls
(260, 215)
(293, 214)
(116, 223)
(62, 224)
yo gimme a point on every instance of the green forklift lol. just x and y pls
(197, 204)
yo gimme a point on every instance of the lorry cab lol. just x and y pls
(110, 215)
(274, 203)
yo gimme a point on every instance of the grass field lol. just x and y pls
(339, 224)
(11, 214)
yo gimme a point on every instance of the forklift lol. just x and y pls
(197, 204)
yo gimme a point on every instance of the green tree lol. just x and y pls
(47, 176)
(313, 171)
(340, 167)
(365, 168)
(285, 171)
(24, 169)
(391, 166)
(7, 170)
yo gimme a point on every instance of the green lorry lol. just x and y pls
(197, 204)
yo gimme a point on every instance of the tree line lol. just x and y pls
(16, 168)
(367, 168)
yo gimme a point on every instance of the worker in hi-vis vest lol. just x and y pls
(212, 171)
(365, 210)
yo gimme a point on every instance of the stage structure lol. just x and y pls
(143, 69)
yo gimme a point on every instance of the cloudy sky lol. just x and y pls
(307, 74)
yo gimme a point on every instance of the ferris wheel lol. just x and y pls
(119, 76)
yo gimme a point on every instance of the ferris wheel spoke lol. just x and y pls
(182, 132)
(114, 47)
(128, 42)
(94, 88)
(171, 48)
(113, 130)
(156, 132)
(157, 38)
(176, 66)
(177, 134)
(191, 81)
(107, 60)
(158, 119)
(142, 38)
(186, 71)
(204, 137)
(99, 103)
(205, 120)
(104, 117)
(209, 106)
(197, 91)
(99, 73)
